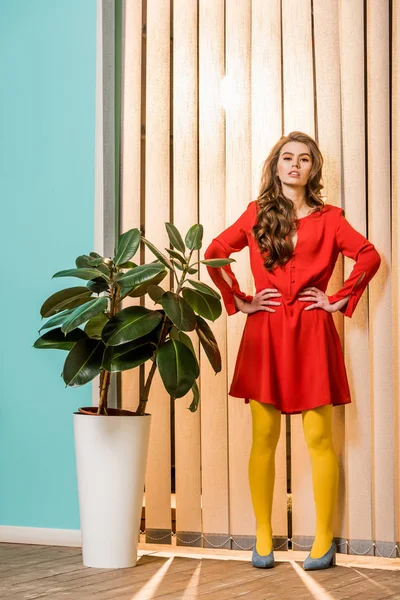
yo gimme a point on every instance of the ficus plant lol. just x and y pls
(102, 338)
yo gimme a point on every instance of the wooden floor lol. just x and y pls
(53, 572)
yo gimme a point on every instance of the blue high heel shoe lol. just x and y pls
(264, 562)
(324, 562)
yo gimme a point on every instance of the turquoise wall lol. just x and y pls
(47, 116)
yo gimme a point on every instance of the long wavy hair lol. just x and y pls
(276, 217)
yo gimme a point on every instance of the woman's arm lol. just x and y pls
(341, 303)
(239, 303)
(353, 244)
(232, 239)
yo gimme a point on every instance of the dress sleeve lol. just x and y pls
(232, 239)
(353, 244)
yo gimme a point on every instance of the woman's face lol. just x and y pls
(294, 164)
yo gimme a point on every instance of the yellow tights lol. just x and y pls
(317, 426)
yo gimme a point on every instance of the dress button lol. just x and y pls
(293, 280)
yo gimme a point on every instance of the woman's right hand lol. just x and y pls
(261, 301)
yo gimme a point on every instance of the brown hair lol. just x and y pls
(276, 217)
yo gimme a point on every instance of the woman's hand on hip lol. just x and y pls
(261, 301)
(320, 299)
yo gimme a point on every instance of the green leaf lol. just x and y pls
(217, 262)
(175, 254)
(83, 362)
(82, 273)
(128, 265)
(175, 237)
(129, 324)
(140, 290)
(88, 261)
(209, 344)
(177, 264)
(203, 287)
(57, 320)
(155, 292)
(205, 305)
(84, 313)
(55, 339)
(196, 397)
(127, 245)
(158, 254)
(151, 338)
(180, 267)
(104, 270)
(194, 237)
(98, 285)
(95, 326)
(142, 274)
(113, 353)
(68, 298)
(179, 311)
(178, 367)
(175, 334)
(122, 358)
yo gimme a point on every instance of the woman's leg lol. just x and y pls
(266, 426)
(317, 425)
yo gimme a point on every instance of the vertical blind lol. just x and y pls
(206, 88)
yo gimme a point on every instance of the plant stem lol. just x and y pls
(144, 396)
(105, 376)
(104, 387)
(184, 273)
(141, 409)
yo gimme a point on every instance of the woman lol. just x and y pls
(290, 358)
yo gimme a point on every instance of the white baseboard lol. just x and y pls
(40, 535)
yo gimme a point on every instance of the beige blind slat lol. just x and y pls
(185, 165)
(358, 413)
(158, 474)
(396, 245)
(212, 215)
(379, 229)
(297, 67)
(266, 83)
(238, 195)
(130, 158)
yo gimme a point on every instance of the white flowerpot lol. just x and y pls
(111, 456)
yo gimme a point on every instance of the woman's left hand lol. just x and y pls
(320, 300)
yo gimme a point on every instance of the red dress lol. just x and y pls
(293, 358)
